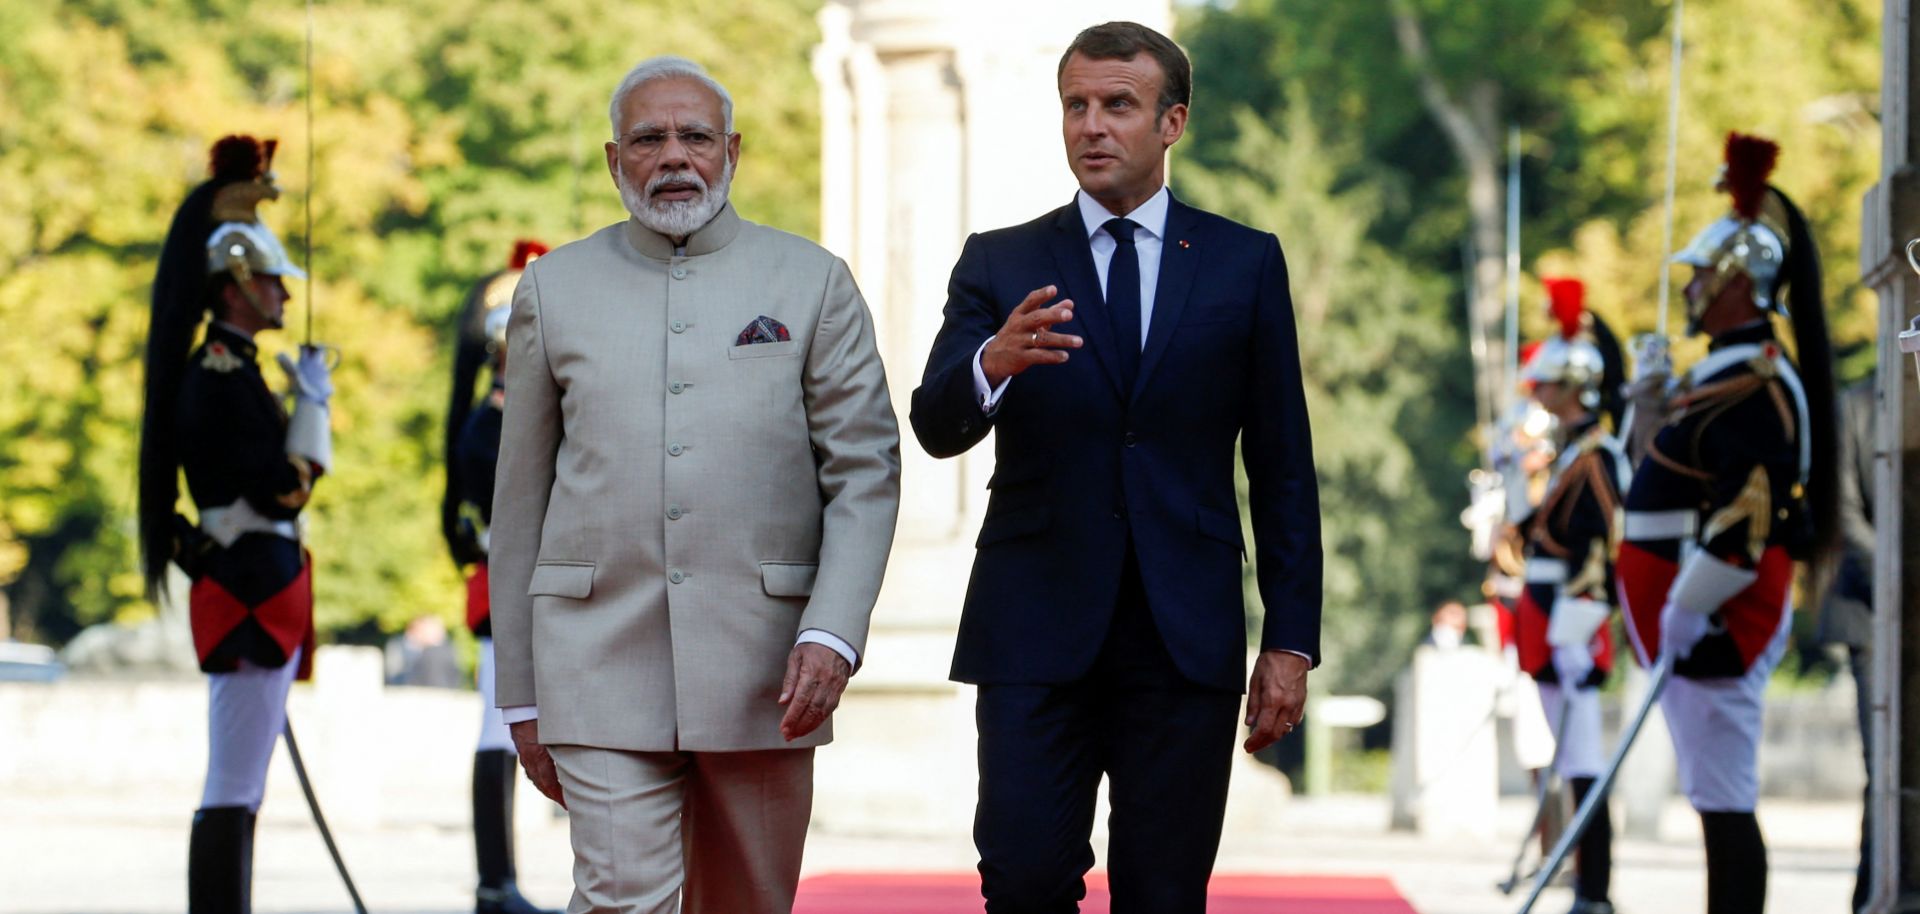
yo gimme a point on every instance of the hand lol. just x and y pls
(1027, 339)
(537, 762)
(1276, 697)
(1680, 630)
(310, 377)
(1573, 663)
(816, 675)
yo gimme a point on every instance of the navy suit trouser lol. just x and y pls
(1165, 745)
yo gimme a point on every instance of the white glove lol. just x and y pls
(310, 377)
(1681, 630)
(1573, 663)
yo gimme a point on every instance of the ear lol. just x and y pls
(1173, 125)
(613, 160)
(733, 149)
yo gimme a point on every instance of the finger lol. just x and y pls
(1035, 299)
(1265, 730)
(797, 708)
(1047, 340)
(793, 674)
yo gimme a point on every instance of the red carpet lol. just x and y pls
(953, 893)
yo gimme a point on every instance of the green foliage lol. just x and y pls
(443, 131)
(1378, 351)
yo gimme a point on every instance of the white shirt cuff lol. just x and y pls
(520, 713)
(839, 646)
(1298, 654)
(989, 398)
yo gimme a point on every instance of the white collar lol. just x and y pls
(1151, 215)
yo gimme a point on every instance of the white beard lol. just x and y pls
(676, 218)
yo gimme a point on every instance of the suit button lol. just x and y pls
(1120, 513)
(677, 576)
(676, 387)
(1129, 439)
(679, 272)
(965, 426)
(679, 326)
(673, 513)
(675, 449)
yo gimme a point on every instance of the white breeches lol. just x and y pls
(246, 711)
(493, 729)
(1716, 731)
(1582, 752)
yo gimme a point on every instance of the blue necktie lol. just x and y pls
(1123, 299)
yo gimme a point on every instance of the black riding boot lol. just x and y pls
(1736, 863)
(220, 861)
(494, 772)
(1593, 863)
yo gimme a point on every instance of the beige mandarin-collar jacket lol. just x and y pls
(672, 507)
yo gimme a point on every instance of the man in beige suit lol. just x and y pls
(698, 480)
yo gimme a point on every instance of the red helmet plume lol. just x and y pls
(1566, 298)
(524, 251)
(1750, 161)
(238, 157)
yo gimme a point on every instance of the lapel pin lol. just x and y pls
(1184, 244)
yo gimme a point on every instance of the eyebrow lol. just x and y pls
(650, 127)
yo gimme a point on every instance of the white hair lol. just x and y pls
(667, 66)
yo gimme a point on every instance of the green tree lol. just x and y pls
(442, 132)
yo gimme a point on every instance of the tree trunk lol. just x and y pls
(1473, 130)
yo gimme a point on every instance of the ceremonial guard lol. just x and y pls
(1737, 485)
(1564, 640)
(250, 467)
(473, 448)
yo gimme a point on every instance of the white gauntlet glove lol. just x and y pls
(310, 429)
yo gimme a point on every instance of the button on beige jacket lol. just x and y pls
(671, 508)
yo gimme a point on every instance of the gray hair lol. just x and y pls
(667, 66)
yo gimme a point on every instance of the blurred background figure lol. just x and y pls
(421, 655)
(472, 450)
(250, 468)
(1846, 615)
(1449, 628)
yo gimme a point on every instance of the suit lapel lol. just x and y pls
(1080, 282)
(1178, 266)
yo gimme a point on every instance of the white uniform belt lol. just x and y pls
(1546, 571)
(1661, 525)
(230, 522)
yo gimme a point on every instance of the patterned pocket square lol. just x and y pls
(763, 329)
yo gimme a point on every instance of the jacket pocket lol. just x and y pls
(1012, 524)
(1220, 525)
(573, 580)
(788, 579)
(764, 350)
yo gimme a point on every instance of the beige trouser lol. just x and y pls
(728, 826)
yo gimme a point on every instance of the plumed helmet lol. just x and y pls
(1751, 239)
(242, 245)
(1568, 357)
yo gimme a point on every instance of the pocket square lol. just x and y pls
(763, 329)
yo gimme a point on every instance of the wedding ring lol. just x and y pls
(1036, 338)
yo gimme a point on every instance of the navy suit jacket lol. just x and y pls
(1080, 464)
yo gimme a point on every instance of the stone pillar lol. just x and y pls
(1890, 217)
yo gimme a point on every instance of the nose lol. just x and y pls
(673, 154)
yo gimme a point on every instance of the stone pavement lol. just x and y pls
(127, 855)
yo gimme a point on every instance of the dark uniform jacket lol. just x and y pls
(253, 599)
(475, 453)
(1570, 547)
(1723, 480)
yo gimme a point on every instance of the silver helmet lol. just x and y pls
(1750, 240)
(1570, 356)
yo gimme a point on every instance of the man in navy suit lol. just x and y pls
(1121, 345)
